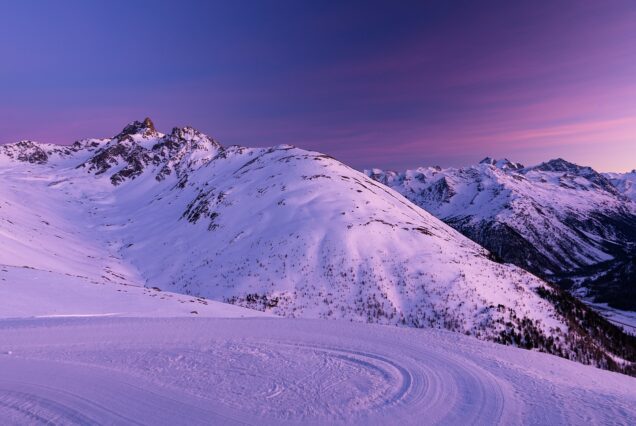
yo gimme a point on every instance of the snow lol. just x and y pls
(624, 319)
(111, 297)
(282, 371)
(305, 234)
(291, 232)
(625, 182)
(77, 351)
(28, 292)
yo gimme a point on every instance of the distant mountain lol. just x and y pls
(624, 182)
(280, 229)
(563, 222)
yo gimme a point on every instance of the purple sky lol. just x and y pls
(376, 84)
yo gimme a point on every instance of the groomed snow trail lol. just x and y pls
(110, 370)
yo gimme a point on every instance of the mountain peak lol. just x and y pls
(186, 133)
(503, 164)
(559, 165)
(145, 128)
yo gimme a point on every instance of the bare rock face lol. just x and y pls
(33, 152)
(144, 129)
(183, 149)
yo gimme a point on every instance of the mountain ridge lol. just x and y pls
(557, 219)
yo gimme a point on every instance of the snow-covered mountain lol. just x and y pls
(278, 229)
(557, 220)
(624, 182)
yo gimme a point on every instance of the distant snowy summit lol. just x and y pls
(564, 222)
(624, 182)
(279, 229)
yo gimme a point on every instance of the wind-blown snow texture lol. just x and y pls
(280, 229)
(280, 371)
(558, 220)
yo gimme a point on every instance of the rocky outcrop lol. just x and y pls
(139, 147)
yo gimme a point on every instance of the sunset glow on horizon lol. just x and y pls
(375, 84)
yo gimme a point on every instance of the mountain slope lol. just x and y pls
(279, 229)
(558, 220)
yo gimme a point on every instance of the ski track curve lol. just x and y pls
(272, 371)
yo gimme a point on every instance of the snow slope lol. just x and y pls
(26, 292)
(283, 371)
(280, 229)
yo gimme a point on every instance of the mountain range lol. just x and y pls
(300, 234)
(565, 223)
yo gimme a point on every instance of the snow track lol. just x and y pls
(276, 371)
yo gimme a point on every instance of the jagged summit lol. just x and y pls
(624, 182)
(190, 134)
(560, 165)
(145, 129)
(503, 164)
(140, 147)
(137, 148)
(572, 171)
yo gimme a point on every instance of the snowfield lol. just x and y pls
(281, 371)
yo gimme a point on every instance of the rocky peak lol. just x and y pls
(183, 149)
(181, 135)
(571, 170)
(186, 133)
(139, 147)
(383, 176)
(560, 165)
(145, 128)
(26, 151)
(503, 164)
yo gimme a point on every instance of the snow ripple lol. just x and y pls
(264, 371)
